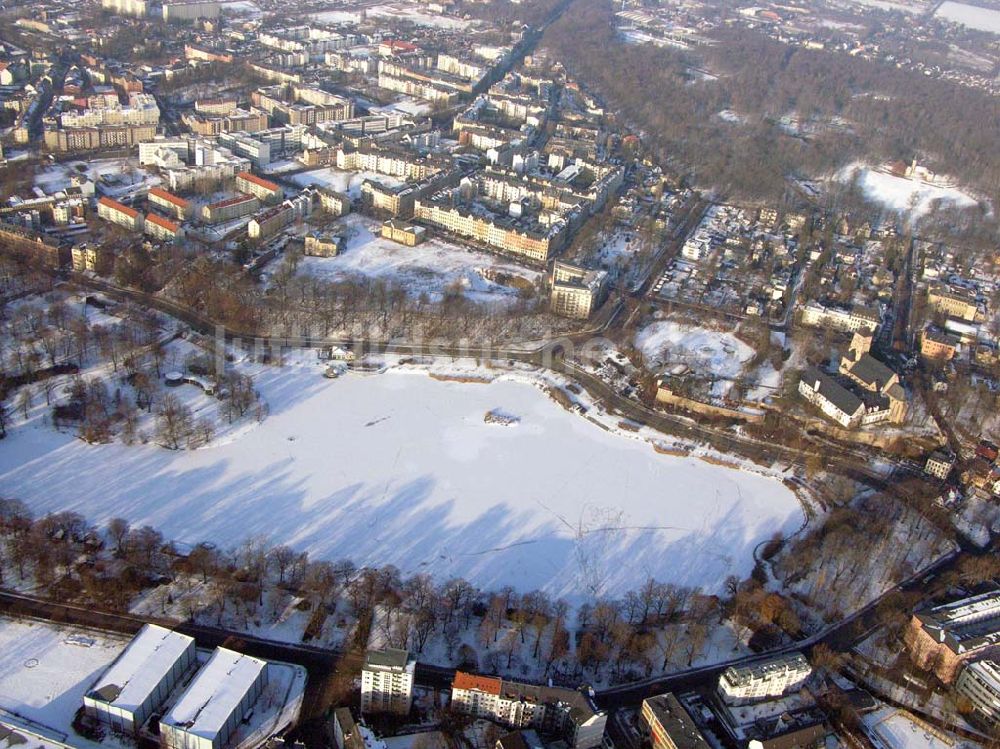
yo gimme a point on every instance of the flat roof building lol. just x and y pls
(210, 710)
(945, 637)
(139, 680)
(387, 681)
(763, 680)
(669, 725)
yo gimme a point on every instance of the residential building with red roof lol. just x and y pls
(117, 213)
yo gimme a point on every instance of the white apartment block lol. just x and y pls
(575, 291)
(849, 320)
(190, 10)
(116, 213)
(387, 681)
(764, 680)
(141, 110)
(979, 683)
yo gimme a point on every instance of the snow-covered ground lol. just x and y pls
(902, 195)
(346, 182)
(57, 176)
(703, 350)
(338, 16)
(412, 13)
(428, 268)
(973, 16)
(401, 469)
(44, 674)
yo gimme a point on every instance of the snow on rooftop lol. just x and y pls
(147, 659)
(215, 693)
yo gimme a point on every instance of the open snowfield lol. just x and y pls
(412, 13)
(703, 350)
(338, 16)
(341, 181)
(973, 16)
(402, 469)
(428, 268)
(903, 195)
(43, 676)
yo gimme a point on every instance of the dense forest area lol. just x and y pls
(857, 110)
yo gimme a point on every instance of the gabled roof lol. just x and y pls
(258, 181)
(169, 197)
(476, 682)
(842, 398)
(871, 371)
(115, 205)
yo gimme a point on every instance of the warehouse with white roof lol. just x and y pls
(210, 710)
(139, 680)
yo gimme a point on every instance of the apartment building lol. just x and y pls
(533, 243)
(764, 680)
(669, 725)
(216, 107)
(67, 140)
(161, 228)
(420, 89)
(190, 10)
(394, 200)
(848, 320)
(403, 232)
(169, 202)
(302, 105)
(953, 301)
(228, 210)
(939, 464)
(322, 245)
(944, 638)
(92, 258)
(938, 345)
(257, 152)
(262, 189)
(979, 683)
(238, 120)
(270, 222)
(336, 203)
(575, 292)
(142, 109)
(116, 213)
(126, 7)
(570, 714)
(387, 681)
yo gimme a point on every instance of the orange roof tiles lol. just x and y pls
(169, 197)
(258, 181)
(115, 205)
(160, 221)
(488, 684)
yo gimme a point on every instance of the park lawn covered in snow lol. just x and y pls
(705, 351)
(342, 181)
(413, 13)
(44, 674)
(905, 196)
(972, 16)
(402, 469)
(428, 268)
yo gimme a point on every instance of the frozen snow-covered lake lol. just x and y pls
(401, 469)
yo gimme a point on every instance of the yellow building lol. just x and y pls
(403, 232)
